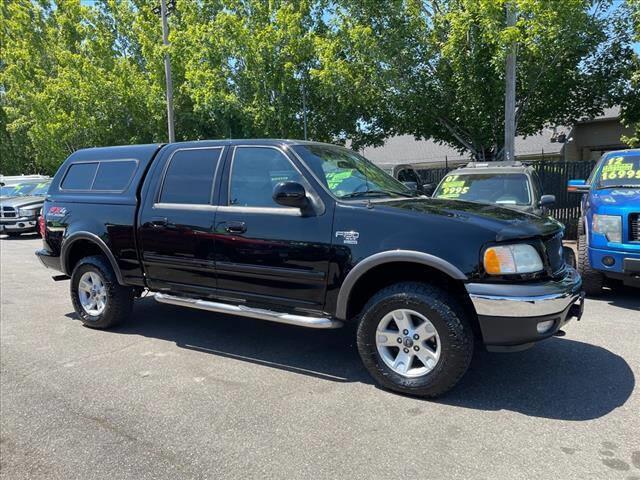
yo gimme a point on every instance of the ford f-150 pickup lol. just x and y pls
(312, 235)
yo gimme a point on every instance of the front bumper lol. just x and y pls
(509, 314)
(625, 266)
(18, 225)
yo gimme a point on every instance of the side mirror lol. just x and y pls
(578, 186)
(413, 186)
(546, 201)
(428, 189)
(290, 194)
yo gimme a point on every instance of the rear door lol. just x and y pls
(177, 219)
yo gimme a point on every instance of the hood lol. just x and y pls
(22, 202)
(615, 197)
(506, 223)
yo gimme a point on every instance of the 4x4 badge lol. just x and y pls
(349, 237)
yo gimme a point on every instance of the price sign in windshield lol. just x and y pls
(621, 171)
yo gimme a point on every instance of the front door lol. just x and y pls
(177, 220)
(267, 253)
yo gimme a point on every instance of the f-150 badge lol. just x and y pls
(350, 237)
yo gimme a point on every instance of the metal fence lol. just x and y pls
(554, 177)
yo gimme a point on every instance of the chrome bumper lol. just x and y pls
(17, 224)
(530, 300)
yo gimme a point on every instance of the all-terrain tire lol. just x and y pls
(119, 299)
(592, 280)
(445, 313)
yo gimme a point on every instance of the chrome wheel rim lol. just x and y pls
(408, 343)
(93, 293)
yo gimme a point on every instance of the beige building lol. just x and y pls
(586, 140)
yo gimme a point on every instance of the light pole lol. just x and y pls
(164, 12)
(510, 92)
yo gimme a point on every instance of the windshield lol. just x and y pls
(19, 190)
(620, 171)
(503, 189)
(349, 175)
(41, 189)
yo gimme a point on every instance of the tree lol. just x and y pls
(443, 66)
(631, 99)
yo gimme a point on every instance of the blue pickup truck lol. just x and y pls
(609, 226)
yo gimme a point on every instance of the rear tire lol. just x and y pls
(98, 299)
(436, 330)
(592, 280)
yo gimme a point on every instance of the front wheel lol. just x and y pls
(592, 279)
(413, 338)
(98, 298)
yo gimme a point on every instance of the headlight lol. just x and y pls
(27, 212)
(608, 225)
(508, 259)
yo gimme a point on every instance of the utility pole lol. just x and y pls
(510, 91)
(164, 13)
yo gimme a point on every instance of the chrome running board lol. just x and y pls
(243, 311)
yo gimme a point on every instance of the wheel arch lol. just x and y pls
(387, 260)
(86, 242)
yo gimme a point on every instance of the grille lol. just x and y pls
(8, 212)
(634, 227)
(553, 246)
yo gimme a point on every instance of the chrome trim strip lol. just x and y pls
(294, 212)
(187, 206)
(244, 311)
(549, 298)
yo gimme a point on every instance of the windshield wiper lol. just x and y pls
(622, 185)
(376, 192)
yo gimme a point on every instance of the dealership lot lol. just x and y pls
(179, 393)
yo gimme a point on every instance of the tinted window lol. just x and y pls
(254, 174)
(114, 175)
(189, 178)
(80, 176)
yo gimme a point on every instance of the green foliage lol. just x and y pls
(631, 101)
(444, 66)
(76, 75)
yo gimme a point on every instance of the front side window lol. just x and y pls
(255, 171)
(349, 175)
(502, 189)
(189, 176)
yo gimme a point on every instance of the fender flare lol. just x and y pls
(93, 238)
(388, 257)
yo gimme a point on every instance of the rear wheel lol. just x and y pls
(413, 338)
(98, 298)
(592, 280)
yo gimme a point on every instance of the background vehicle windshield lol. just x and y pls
(503, 189)
(620, 171)
(41, 189)
(347, 174)
(19, 190)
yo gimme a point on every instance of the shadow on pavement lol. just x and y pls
(621, 296)
(559, 378)
(22, 236)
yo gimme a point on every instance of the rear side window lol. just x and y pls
(114, 175)
(80, 176)
(189, 176)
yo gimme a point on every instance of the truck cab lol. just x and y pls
(609, 226)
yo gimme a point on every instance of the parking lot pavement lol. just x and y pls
(179, 393)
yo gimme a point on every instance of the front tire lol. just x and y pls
(414, 338)
(98, 299)
(592, 280)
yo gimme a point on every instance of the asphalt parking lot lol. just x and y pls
(178, 393)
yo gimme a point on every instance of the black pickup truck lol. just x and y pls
(311, 235)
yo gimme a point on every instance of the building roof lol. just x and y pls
(405, 149)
